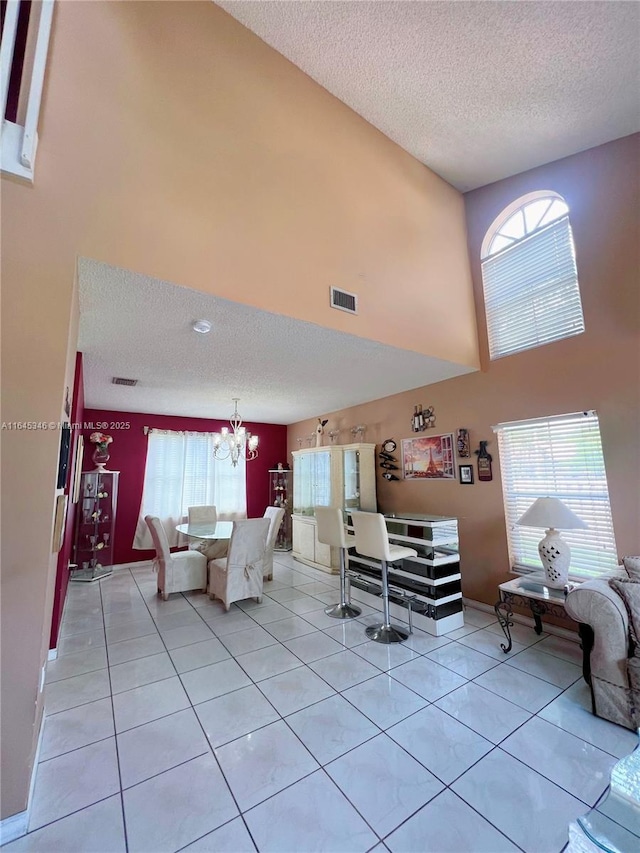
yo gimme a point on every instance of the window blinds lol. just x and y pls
(531, 291)
(559, 457)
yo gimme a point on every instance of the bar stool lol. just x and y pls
(330, 531)
(372, 540)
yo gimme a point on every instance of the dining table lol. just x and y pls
(206, 530)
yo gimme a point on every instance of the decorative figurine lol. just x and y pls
(320, 431)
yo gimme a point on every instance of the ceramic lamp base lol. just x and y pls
(555, 555)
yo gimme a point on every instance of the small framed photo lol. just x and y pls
(466, 474)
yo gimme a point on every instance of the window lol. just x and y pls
(557, 457)
(529, 275)
(181, 472)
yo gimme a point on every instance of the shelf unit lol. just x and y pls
(95, 526)
(430, 582)
(280, 496)
(341, 476)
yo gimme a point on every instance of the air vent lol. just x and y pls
(344, 301)
(118, 380)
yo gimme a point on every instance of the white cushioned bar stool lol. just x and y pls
(372, 540)
(330, 531)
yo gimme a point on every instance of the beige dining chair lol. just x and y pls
(240, 576)
(275, 514)
(179, 572)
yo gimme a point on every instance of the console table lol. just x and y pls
(529, 591)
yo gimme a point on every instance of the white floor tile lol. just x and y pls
(76, 664)
(344, 670)
(214, 680)
(71, 692)
(383, 700)
(95, 829)
(81, 625)
(296, 689)
(561, 648)
(498, 787)
(481, 618)
(349, 633)
(81, 642)
(270, 614)
(561, 757)
(572, 712)
(232, 837)
(519, 687)
(491, 716)
(488, 643)
(74, 780)
(135, 673)
(286, 594)
(178, 619)
(230, 623)
(240, 642)
(332, 727)
(522, 634)
(448, 825)
(308, 604)
(549, 668)
(76, 727)
(264, 663)
(466, 662)
(384, 783)
(171, 810)
(289, 629)
(185, 636)
(427, 678)
(263, 763)
(143, 704)
(292, 820)
(383, 656)
(137, 648)
(235, 714)
(127, 612)
(160, 745)
(313, 646)
(197, 655)
(130, 630)
(446, 747)
(319, 619)
(422, 642)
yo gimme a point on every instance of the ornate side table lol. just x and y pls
(529, 591)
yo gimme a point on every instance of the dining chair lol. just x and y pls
(372, 540)
(275, 514)
(179, 572)
(330, 531)
(240, 576)
(201, 515)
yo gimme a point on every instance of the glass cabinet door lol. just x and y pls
(351, 472)
(321, 479)
(302, 485)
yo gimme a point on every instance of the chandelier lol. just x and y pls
(236, 443)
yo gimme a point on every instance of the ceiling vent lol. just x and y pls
(344, 301)
(118, 380)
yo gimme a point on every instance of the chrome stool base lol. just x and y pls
(386, 634)
(343, 611)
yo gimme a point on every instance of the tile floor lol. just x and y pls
(176, 726)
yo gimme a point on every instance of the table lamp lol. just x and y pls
(554, 551)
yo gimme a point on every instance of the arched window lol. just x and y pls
(529, 274)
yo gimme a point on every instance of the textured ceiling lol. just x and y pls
(476, 90)
(283, 370)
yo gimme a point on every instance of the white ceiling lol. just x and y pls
(476, 90)
(283, 370)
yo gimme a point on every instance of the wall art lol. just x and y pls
(429, 458)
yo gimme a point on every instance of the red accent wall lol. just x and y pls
(128, 454)
(66, 552)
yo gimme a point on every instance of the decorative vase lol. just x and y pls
(100, 456)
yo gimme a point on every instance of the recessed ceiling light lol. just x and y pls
(201, 326)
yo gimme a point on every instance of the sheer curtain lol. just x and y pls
(181, 472)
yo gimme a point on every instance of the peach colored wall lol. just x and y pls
(599, 369)
(175, 143)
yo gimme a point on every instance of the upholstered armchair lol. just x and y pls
(179, 572)
(240, 576)
(275, 515)
(608, 613)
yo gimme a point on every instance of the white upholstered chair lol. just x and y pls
(275, 514)
(178, 572)
(372, 540)
(240, 576)
(330, 531)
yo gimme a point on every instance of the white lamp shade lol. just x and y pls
(550, 513)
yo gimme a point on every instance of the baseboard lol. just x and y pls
(17, 825)
(556, 630)
(53, 654)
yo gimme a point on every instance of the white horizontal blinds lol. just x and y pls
(560, 457)
(531, 291)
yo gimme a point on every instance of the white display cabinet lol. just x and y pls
(341, 476)
(430, 582)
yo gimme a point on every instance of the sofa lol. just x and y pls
(608, 613)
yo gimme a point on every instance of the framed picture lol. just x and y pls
(466, 474)
(428, 458)
(77, 470)
(63, 458)
(58, 524)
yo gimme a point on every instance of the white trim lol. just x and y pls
(53, 654)
(17, 825)
(11, 145)
(30, 138)
(508, 212)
